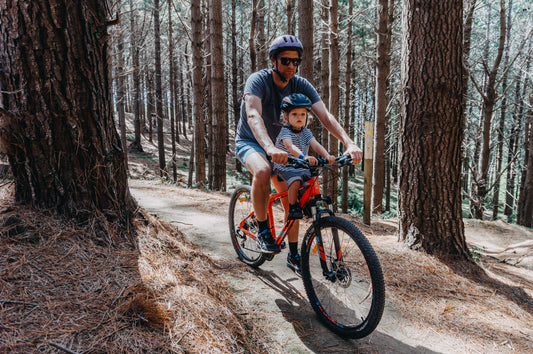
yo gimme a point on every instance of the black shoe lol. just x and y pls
(267, 243)
(295, 212)
(293, 262)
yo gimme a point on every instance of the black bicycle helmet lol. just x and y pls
(295, 100)
(285, 42)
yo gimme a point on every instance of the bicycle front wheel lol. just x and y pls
(243, 227)
(342, 277)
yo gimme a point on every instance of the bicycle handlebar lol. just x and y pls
(340, 161)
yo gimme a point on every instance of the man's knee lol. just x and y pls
(263, 175)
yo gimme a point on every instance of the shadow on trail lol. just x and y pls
(478, 275)
(296, 310)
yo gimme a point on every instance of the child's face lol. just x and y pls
(297, 117)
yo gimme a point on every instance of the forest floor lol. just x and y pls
(181, 288)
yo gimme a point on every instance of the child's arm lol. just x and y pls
(315, 145)
(293, 150)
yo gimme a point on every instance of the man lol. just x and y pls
(260, 124)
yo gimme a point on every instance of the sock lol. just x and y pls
(293, 248)
(263, 225)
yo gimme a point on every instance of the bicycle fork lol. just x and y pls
(330, 271)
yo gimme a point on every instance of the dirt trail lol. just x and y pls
(276, 294)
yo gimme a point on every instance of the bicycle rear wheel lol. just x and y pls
(346, 288)
(242, 223)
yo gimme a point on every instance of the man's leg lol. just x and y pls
(258, 165)
(293, 258)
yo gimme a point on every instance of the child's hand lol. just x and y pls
(312, 160)
(330, 158)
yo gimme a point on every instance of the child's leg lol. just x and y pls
(293, 192)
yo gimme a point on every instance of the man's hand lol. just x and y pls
(355, 153)
(277, 155)
(330, 158)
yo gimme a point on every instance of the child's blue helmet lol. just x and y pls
(295, 100)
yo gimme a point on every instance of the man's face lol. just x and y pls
(285, 63)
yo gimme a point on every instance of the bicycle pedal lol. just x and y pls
(283, 245)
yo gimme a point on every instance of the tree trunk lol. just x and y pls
(290, 17)
(383, 48)
(347, 105)
(432, 128)
(136, 144)
(235, 77)
(150, 104)
(489, 100)
(261, 46)
(305, 34)
(251, 39)
(172, 92)
(501, 128)
(121, 94)
(324, 80)
(57, 124)
(217, 97)
(525, 207)
(199, 132)
(334, 93)
(159, 91)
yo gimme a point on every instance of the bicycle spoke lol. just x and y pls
(343, 294)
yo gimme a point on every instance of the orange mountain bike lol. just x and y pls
(340, 270)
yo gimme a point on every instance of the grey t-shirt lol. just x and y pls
(262, 85)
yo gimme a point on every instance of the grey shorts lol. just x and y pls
(291, 175)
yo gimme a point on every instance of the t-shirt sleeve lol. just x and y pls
(255, 85)
(284, 133)
(307, 136)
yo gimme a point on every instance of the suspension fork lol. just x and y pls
(317, 214)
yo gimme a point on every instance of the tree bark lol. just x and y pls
(347, 105)
(251, 39)
(199, 132)
(217, 97)
(121, 94)
(159, 91)
(525, 207)
(383, 47)
(432, 128)
(57, 124)
(503, 113)
(235, 77)
(136, 144)
(171, 83)
(489, 100)
(334, 93)
(305, 34)
(324, 80)
(290, 17)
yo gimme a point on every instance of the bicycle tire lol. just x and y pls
(246, 247)
(349, 299)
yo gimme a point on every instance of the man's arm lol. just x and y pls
(257, 125)
(331, 124)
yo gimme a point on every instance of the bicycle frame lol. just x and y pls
(312, 189)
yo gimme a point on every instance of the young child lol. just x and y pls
(295, 138)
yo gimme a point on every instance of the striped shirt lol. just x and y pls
(300, 140)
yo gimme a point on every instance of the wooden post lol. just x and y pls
(368, 153)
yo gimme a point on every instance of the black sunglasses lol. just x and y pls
(287, 61)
